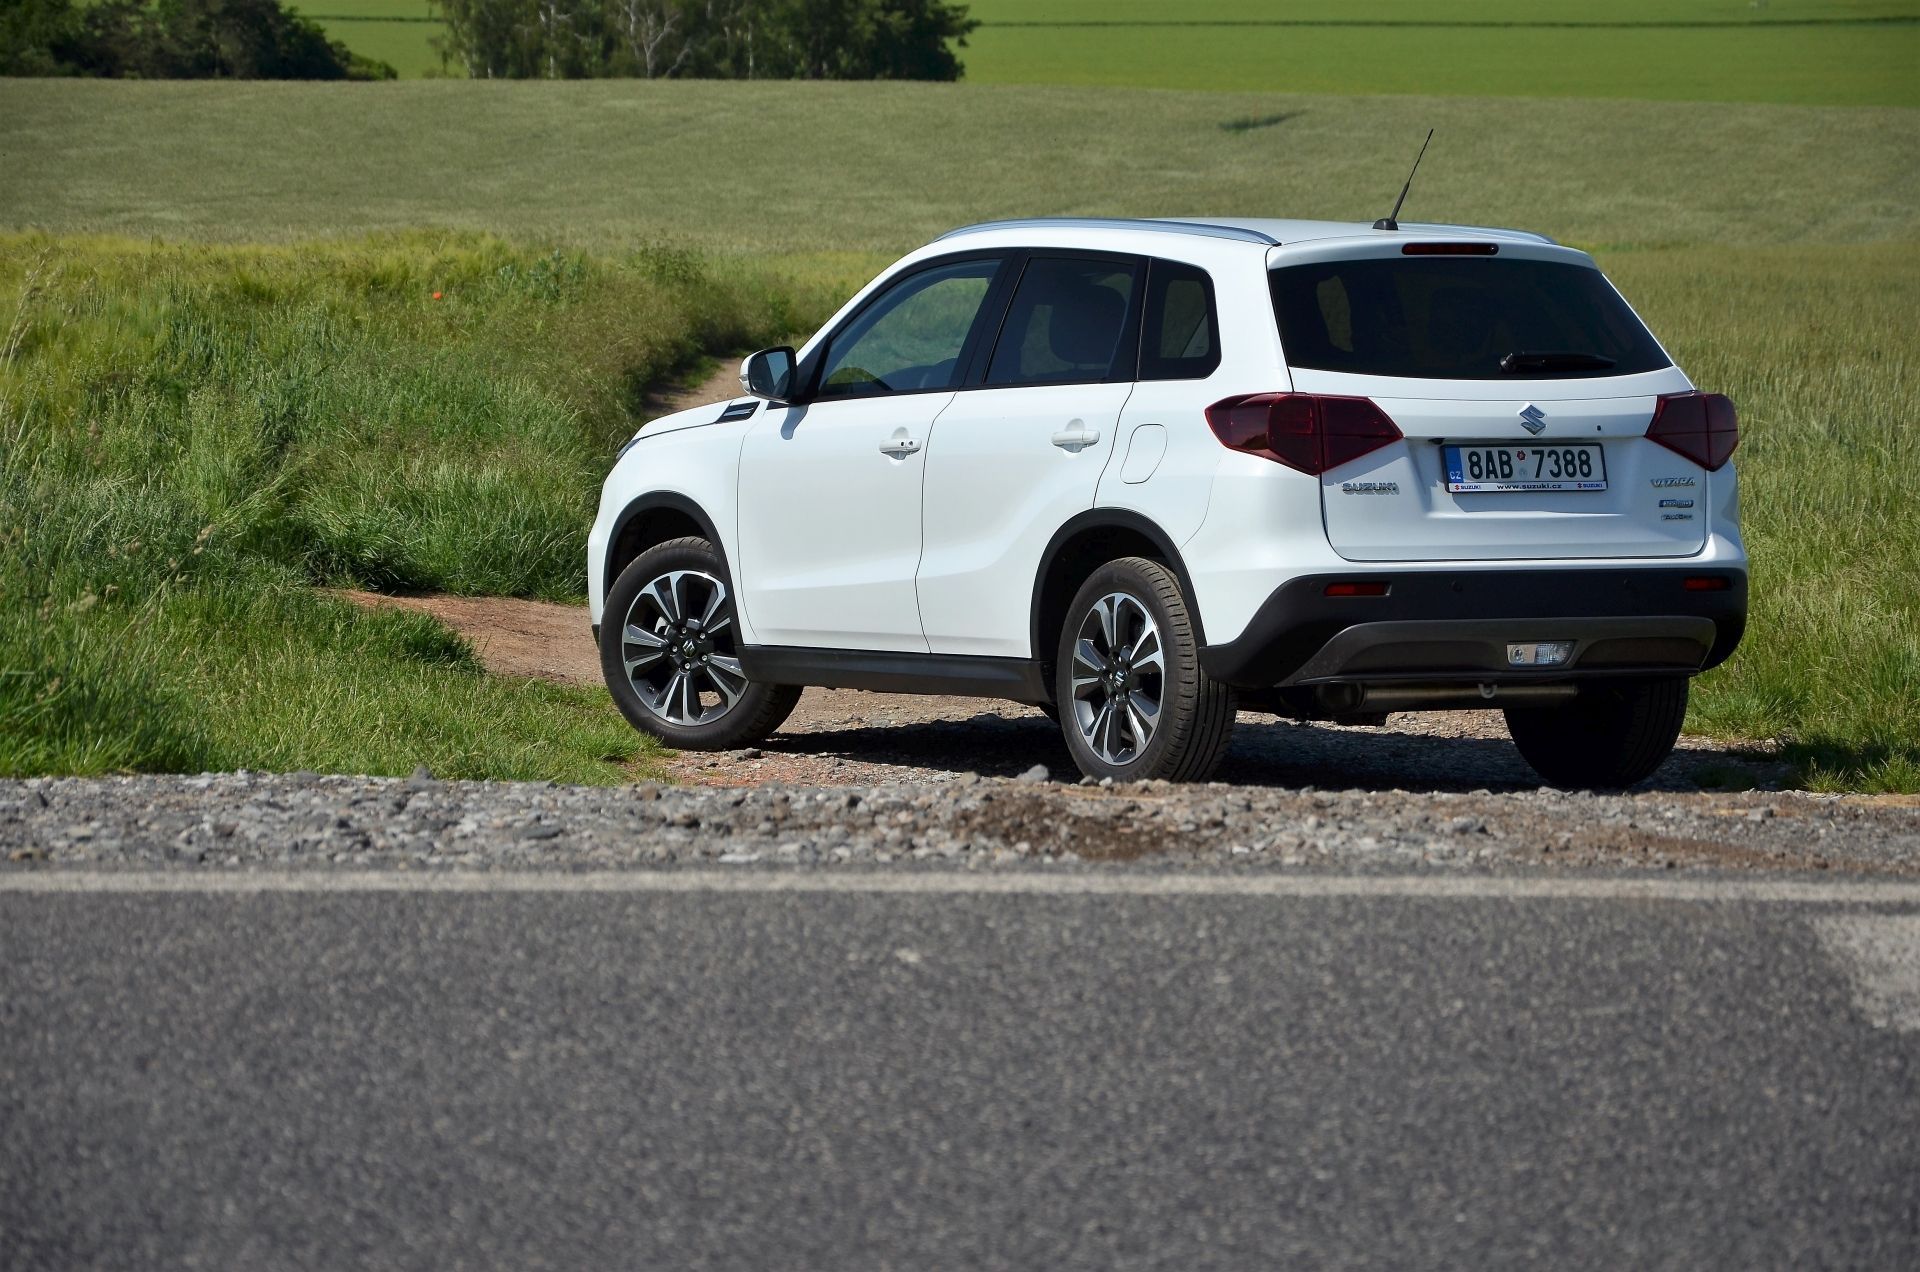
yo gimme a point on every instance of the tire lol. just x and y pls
(1105, 657)
(687, 691)
(1616, 733)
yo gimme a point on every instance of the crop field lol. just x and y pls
(1831, 52)
(1811, 51)
(397, 32)
(612, 163)
(233, 327)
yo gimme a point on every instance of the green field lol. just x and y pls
(880, 167)
(397, 32)
(1776, 250)
(1830, 52)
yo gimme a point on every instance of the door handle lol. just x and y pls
(899, 447)
(1076, 436)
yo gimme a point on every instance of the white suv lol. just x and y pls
(1144, 473)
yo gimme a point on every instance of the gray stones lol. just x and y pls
(315, 822)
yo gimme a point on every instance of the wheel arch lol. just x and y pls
(654, 518)
(1081, 546)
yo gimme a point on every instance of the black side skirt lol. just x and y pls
(1020, 679)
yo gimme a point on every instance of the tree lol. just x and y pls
(729, 39)
(872, 39)
(174, 39)
(36, 36)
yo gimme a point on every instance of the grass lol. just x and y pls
(191, 438)
(795, 168)
(1809, 51)
(1579, 13)
(397, 32)
(1819, 349)
(1830, 52)
(1776, 249)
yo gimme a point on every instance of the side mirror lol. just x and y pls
(769, 374)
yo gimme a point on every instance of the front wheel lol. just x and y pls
(670, 652)
(1134, 701)
(1616, 733)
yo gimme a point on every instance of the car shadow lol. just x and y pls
(1264, 752)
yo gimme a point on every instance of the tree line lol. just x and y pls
(173, 39)
(497, 39)
(713, 39)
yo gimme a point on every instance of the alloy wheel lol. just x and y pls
(1119, 678)
(679, 649)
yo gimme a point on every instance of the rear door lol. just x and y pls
(1524, 386)
(1019, 452)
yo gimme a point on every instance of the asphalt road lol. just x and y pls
(981, 1075)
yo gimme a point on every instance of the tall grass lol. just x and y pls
(1819, 349)
(190, 438)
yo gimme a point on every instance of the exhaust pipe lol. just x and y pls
(1348, 699)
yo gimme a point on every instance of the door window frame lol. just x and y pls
(987, 317)
(1126, 354)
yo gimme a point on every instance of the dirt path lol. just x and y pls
(721, 385)
(842, 737)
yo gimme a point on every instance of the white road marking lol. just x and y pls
(1881, 953)
(936, 883)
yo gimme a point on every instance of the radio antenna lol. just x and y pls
(1389, 221)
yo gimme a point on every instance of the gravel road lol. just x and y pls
(968, 820)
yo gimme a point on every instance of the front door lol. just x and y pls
(829, 534)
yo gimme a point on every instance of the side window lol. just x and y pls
(1180, 339)
(910, 339)
(1065, 324)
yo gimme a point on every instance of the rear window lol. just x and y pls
(1458, 318)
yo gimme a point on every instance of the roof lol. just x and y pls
(1268, 231)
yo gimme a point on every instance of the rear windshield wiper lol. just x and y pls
(1516, 362)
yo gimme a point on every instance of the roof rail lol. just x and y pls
(1200, 228)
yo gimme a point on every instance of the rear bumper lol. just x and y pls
(1454, 625)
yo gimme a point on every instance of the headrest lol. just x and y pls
(1085, 324)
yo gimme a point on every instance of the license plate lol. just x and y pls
(1493, 469)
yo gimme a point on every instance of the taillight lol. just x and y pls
(1701, 426)
(1308, 431)
(1451, 249)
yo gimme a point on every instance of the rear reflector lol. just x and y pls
(1450, 249)
(1309, 432)
(1701, 426)
(1356, 589)
(1707, 583)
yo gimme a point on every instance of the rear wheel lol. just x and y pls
(670, 652)
(1133, 699)
(1614, 734)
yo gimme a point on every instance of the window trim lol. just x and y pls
(1126, 349)
(809, 374)
(1213, 324)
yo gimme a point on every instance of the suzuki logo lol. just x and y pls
(1533, 419)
